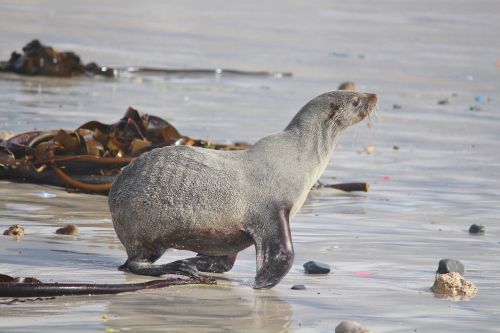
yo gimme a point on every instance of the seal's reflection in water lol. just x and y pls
(221, 308)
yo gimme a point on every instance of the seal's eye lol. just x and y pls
(355, 102)
(333, 109)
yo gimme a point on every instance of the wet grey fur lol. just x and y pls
(217, 203)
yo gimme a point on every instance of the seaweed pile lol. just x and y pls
(38, 59)
(90, 157)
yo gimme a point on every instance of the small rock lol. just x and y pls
(395, 147)
(445, 101)
(349, 326)
(15, 230)
(70, 229)
(348, 85)
(397, 106)
(314, 267)
(476, 229)
(453, 285)
(450, 265)
(298, 287)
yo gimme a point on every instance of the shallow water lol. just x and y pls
(444, 177)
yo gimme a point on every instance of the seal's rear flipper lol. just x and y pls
(180, 267)
(213, 264)
(274, 250)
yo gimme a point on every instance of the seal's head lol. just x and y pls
(335, 111)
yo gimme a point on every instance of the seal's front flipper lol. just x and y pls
(274, 250)
(180, 267)
(213, 264)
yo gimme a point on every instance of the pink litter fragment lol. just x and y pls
(364, 274)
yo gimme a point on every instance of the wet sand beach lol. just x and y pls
(383, 246)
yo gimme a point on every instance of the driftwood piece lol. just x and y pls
(32, 287)
(350, 187)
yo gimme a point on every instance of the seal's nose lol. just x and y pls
(372, 98)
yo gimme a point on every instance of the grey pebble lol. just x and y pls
(299, 287)
(314, 267)
(445, 101)
(476, 229)
(450, 265)
(349, 326)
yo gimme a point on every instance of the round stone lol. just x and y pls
(314, 267)
(476, 229)
(450, 265)
(349, 326)
(299, 287)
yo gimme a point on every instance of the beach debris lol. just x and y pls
(369, 149)
(90, 157)
(450, 265)
(298, 287)
(479, 99)
(15, 230)
(218, 72)
(348, 85)
(476, 229)
(349, 326)
(364, 274)
(38, 59)
(445, 101)
(315, 267)
(397, 106)
(350, 187)
(32, 287)
(395, 147)
(453, 286)
(70, 229)
(474, 108)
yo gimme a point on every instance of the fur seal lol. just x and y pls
(217, 203)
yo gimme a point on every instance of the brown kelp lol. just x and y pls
(89, 158)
